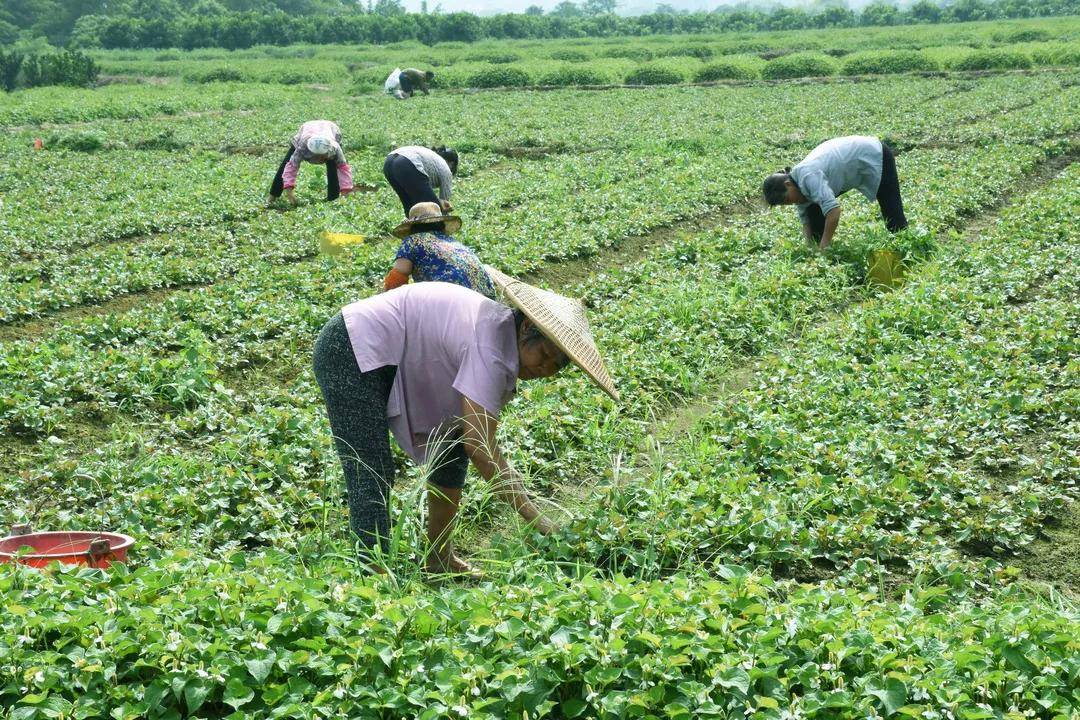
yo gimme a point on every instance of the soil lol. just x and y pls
(1054, 558)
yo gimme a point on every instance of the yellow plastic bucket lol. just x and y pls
(885, 268)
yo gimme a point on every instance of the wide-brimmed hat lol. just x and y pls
(562, 320)
(427, 213)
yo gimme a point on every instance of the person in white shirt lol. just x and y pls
(855, 162)
(415, 172)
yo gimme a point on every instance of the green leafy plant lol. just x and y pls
(799, 65)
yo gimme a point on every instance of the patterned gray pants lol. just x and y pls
(356, 405)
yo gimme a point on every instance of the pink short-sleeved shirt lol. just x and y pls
(446, 341)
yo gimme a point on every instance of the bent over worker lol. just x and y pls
(429, 252)
(318, 142)
(435, 364)
(403, 83)
(415, 172)
(856, 162)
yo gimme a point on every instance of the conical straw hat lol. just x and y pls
(562, 320)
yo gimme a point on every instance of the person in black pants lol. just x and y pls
(860, 163)
(415, 173)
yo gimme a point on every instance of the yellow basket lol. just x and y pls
(885, 268)
(333, 243)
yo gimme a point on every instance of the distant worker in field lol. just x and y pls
(435, 363)
(403, 83)
(415, 172)
(856, 162)
(318, 142)
(429, 253)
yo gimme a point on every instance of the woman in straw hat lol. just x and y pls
(319, 142)
(435, 363)
(429, 252)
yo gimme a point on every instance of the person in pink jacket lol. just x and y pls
(319, 142)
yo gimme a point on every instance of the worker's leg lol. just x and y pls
(816, 218)
(333, 188)
(278, 185)
(446, 478)
(356, 406)
(406, 84)
(888, 195)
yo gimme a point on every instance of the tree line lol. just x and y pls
(236, 24)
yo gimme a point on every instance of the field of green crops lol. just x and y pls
(816, 499)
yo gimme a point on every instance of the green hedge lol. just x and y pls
(799, 65)
(574, 75)
(888, 62)
(656, 73)
(628, 52)
(723, 70)
(499, 77)
(574, 56)
(995, 59)
(701, 52)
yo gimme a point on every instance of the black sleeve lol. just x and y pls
(333, 189)
(279, 184)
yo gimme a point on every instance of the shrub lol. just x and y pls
(1057, 55)
(888, 62)
(799, 65)
(499, 77)
(573, 75)
(995, 60)
(63, 68)
(701, 52)
(724, 71)
(164, 140)
(655, 74)
(837, 52)
(574, 56)
(291, 77)
(10, 64)
(629, 52)
(79, 141)
(775, 53)
(495, 58)
(217, 74)
(1025, 35)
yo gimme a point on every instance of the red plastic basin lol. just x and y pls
(70, 548)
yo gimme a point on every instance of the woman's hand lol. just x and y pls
(478, 430)
(446, 206)
(289, 193)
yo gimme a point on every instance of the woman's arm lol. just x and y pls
(398, 275)
(832, 219)
(478, 431)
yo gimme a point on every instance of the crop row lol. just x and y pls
(675, 70)
(484, 121)
(259, 635)
(668, 337)
(939, 416)
(193, 186)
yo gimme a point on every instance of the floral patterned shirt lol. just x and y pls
(439, 257)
